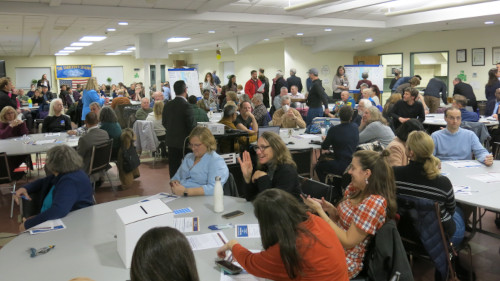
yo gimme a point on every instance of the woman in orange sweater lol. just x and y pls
(297, 244)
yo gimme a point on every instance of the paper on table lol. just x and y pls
(207, 241)
(38, 142)
(53, 134)
(465, 164)
(187, 224)
(47, 226)
(307, 136)
(247, 231)
(461, 189)
(243, 276)
(165, 197)
(486, 178)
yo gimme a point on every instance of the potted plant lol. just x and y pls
(34, 81)
(109, 80)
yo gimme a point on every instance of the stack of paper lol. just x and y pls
(47, 226)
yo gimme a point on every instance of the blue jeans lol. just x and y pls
(458, 218)
(313, 113)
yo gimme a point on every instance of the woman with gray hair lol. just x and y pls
(67, 189)
(374, 127)
(365, 80)
(56, 121)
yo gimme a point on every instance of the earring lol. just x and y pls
(366, 180)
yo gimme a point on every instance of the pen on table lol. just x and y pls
(220, 236)
(22, 196)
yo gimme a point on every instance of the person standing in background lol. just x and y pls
(340, 83)
(316, 98)
(43, 82)
(294, 80)
(178, 121)
(252, 85)
(492, 85)
(265, 93)
(431, 94)
(397, 75)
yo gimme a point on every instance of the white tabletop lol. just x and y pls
(437, 119)
(298, 140)
(88, 246)
(27, 145)
(214, 117)
(484, 195)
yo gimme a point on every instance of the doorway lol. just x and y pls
(429, 65)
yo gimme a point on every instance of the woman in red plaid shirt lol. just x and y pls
(369, 200)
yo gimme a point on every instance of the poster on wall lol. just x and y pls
(73, 71)
(189, 75)
(354, 72)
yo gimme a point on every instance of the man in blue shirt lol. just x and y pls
(455, 143)
(216, 78)
(404, 80)
(460, 102)
(166, 91)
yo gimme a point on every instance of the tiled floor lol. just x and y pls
(486, 256)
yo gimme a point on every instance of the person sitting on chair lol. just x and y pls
(422, 178)
(460, 102)
(288, 117)
(369, 201)
(163, 254)
(297, 244)
(67, 189)
(56, 121)
(275, 167)
(10, 127)
(196, 175)
(397, 147)
(94, 136)
(374, 127)
(109, 123)
(343, 138)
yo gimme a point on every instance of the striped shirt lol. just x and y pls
(411, 180)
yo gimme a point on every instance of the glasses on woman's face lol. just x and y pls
(194, 145)
(261, 148)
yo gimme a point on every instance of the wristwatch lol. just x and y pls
(185, 193)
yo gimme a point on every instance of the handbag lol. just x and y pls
(130, 159)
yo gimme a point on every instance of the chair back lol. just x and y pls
(316, 189)
(101, 156)
(302, 158)
(420, 225)
(230, 187)
(4, 169)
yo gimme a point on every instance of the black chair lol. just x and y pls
(99, 161)
(230, 187)
(317, 189)
(7, 177)
(423, 234)
(302, 158)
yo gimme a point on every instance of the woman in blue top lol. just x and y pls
(196, 175)
(67, 189)
(90, 95)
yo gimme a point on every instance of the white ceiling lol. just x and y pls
(43, 27)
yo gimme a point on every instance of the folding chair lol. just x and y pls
(7, 177)
(99, 161)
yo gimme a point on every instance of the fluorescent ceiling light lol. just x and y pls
(123, 23)
(81, 44)
(489, 22)
(66, 51)
(73, 48)
(369, 40)
(61, 54)
(92, 38)
(177, 39)
(211, 31)
(196, 49)
(328, 29)
(112, 54)
(267, 39)
(111, 29)
(181, 51)
(131, 49)
(123, 51)
(300, 34)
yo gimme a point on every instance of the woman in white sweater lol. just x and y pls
(160, 131)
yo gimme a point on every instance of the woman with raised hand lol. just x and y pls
(297, 245)
(369, 200)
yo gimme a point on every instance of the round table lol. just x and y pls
(28, 145)
(87, 247)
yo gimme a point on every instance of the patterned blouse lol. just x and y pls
(369, 216)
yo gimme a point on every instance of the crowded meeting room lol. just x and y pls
(203, 140)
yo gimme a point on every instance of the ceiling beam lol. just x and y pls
(212, 5)
(435, 6)
(11, 7)
(55, 3)
(449, 14)
(347, 6)
(309, 4)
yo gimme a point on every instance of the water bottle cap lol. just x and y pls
(217, 178)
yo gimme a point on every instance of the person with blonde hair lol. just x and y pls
(275, 167)
(56, 121)
(196, 175)
(90, 95)
(160, 132)
(369, 201)
(11, 127)
(374, 127)
(422, 178)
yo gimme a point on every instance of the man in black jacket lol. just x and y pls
(5, 88)
(294, 80)
(465, 90)
(178, 121)
(316, 98)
